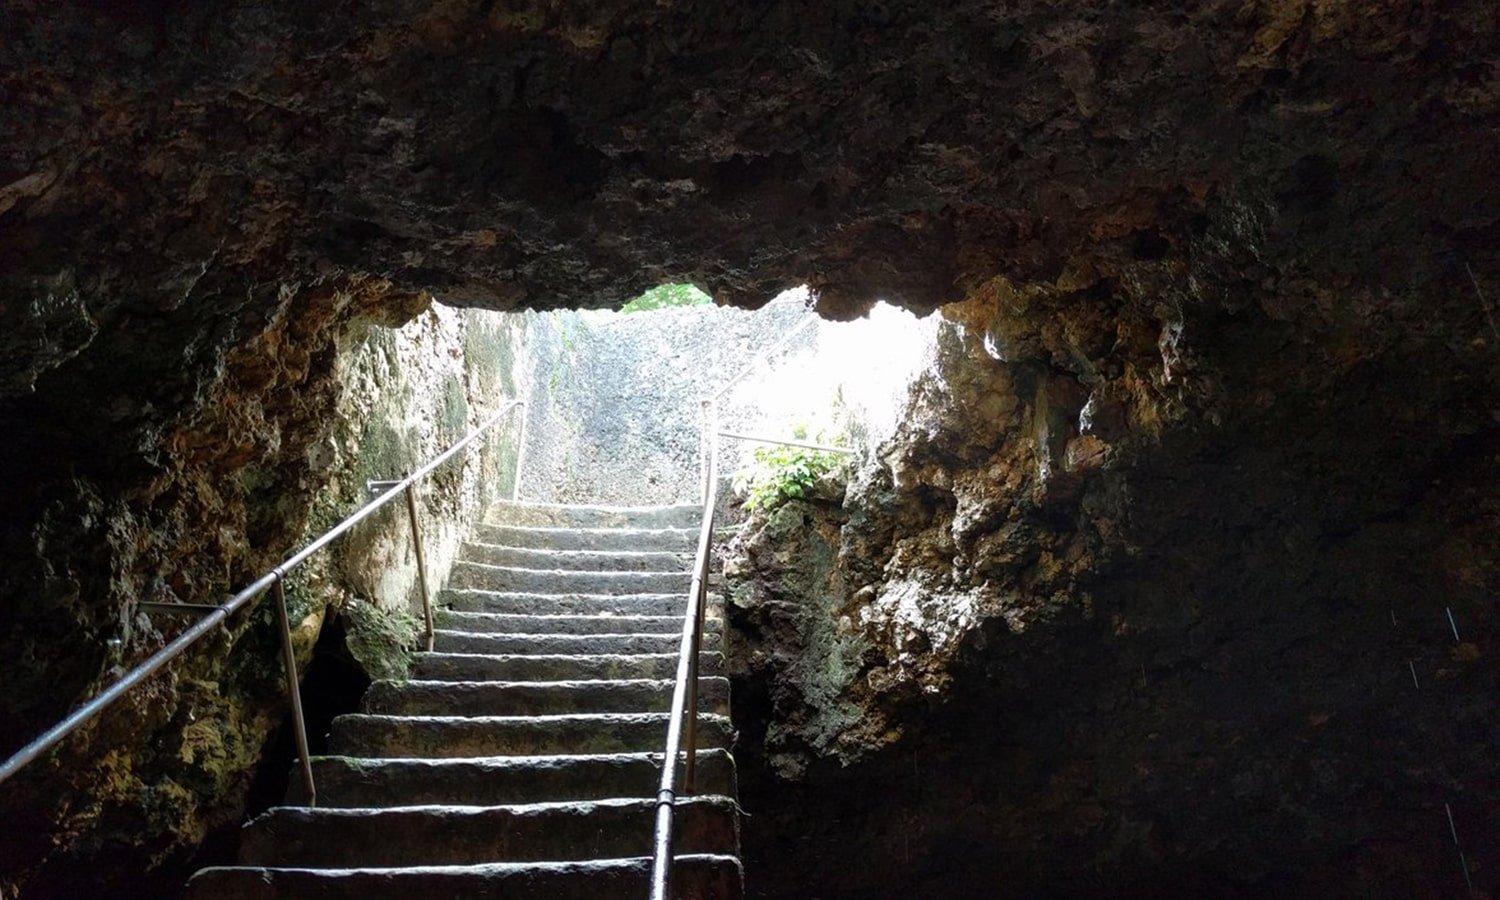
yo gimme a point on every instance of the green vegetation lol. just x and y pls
(379, 637)
(781, 473)
(667, 296)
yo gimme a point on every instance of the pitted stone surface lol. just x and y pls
(696, 876)
(481, 667)
(365, 783)
(565, 623)
(487, 698)
(483, 600)
(476, 835)
(552, 538)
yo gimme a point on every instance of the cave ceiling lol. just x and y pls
(166, 168)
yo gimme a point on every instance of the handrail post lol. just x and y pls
(684, 711)
(713, 451)
(704, 412)
(690, 766)
(661, 851)
(294, 689)
(515, 481)
(416, 540)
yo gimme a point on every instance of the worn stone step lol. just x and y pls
(344, 782)
(434, 737)
(473, 835)
(577, 560)
(501, 698)
(553, 644)
(487, 667)
(694, 877)
(466, 574)
(521, 623)
(549, 515)
(481, 600)
(679, 540)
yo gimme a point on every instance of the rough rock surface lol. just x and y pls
(1096, 630)
(121, 807)
(615, 411)
(1253, 239)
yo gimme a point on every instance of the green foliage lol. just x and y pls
(781, 473)
(667, 296)
(379, 638)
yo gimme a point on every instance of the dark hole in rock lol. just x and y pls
(1150, 245)
(1315, 181)
(331, 686)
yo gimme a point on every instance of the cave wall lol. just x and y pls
(407, 395)
(1136, 620)
(1264, 230)
(282, 453)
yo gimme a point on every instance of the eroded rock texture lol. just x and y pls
(1248, 240)
(281, 452)
(1129, 623)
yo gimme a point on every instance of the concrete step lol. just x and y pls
(439, 737)
(554, 644)
(677, 540)
(695, 877)
(577, 560)
(485, 667)
(521, 623)
(547, 515)
(344, 783)
(473, 575)
(650, 604)
(301, 837)
(537, 698)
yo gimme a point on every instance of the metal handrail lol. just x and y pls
(684, 714)
(214, 615)
(684, 698)
(788, 442)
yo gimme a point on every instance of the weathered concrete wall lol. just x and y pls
(616, 399)
(615, 414)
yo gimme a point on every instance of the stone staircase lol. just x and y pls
(521, 760)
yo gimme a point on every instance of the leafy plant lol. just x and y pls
(781, 473)
(667, 296)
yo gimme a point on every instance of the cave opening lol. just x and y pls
(1173, 575)
(626, 406)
